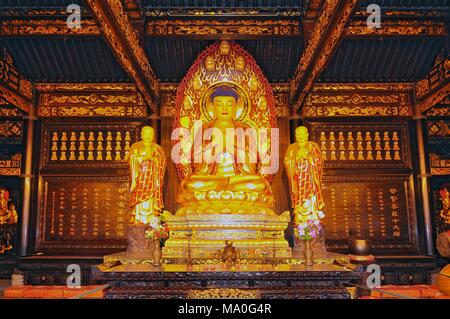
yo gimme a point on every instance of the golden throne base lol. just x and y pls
(198, 234)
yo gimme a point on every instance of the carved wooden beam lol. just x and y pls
(310, 17)
(243, 28)
(211, 12)
(435, 87)
(124, 41)
(358, 100)
(393, 28)
(236, 29)
(90, 100)
(14, 88)
(47, 27)
(325, 36)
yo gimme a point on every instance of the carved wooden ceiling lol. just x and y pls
(169, 34)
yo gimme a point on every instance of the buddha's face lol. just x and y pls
(224, 107)
(301, 134)
(147, 134)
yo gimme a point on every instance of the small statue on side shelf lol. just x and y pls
(8, 221)
(147, 167)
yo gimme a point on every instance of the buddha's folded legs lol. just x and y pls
(252, 183)
(203, 183)
(246, 183)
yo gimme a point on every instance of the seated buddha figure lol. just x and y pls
(228, 169)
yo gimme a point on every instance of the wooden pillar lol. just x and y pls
(423, 179)
(27, 184)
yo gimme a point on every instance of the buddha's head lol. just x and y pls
(147, 134)
(224, 101)
(301, 134)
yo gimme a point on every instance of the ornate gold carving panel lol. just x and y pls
(11, 129)
(83, 102)
(435, 87)
(12, 166)
(374, 99)
(439, 166)
(398, 28)
(227, 27)
(21, 27)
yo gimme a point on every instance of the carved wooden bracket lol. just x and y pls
(123, 39)
(324, 39)
(15, 88)
(435, 87)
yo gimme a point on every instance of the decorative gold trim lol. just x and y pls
(218, 27)
(439, 128)
(11, 167)
(224, 293)
(90, 99)
(439, 166)
(398, 28)
(358, 99)
(334, 87)
(22, 27)
(51, 87)
(222, 12)
(11, 129)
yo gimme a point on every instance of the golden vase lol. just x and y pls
(156, 252)
(308, 253)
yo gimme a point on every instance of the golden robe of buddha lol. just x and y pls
(229, 167)
(147, 164)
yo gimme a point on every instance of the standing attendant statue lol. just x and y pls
(304, 166)
(147, 163)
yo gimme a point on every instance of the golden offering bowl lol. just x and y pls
(360, 247)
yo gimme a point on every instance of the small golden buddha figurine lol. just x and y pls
(229, 255)
(304, 166)
(350, 146)
(147, 163)
(8, 213)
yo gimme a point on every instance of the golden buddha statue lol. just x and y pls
(227, 170)
(147, 164)
(224, 161)
(304, 166)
